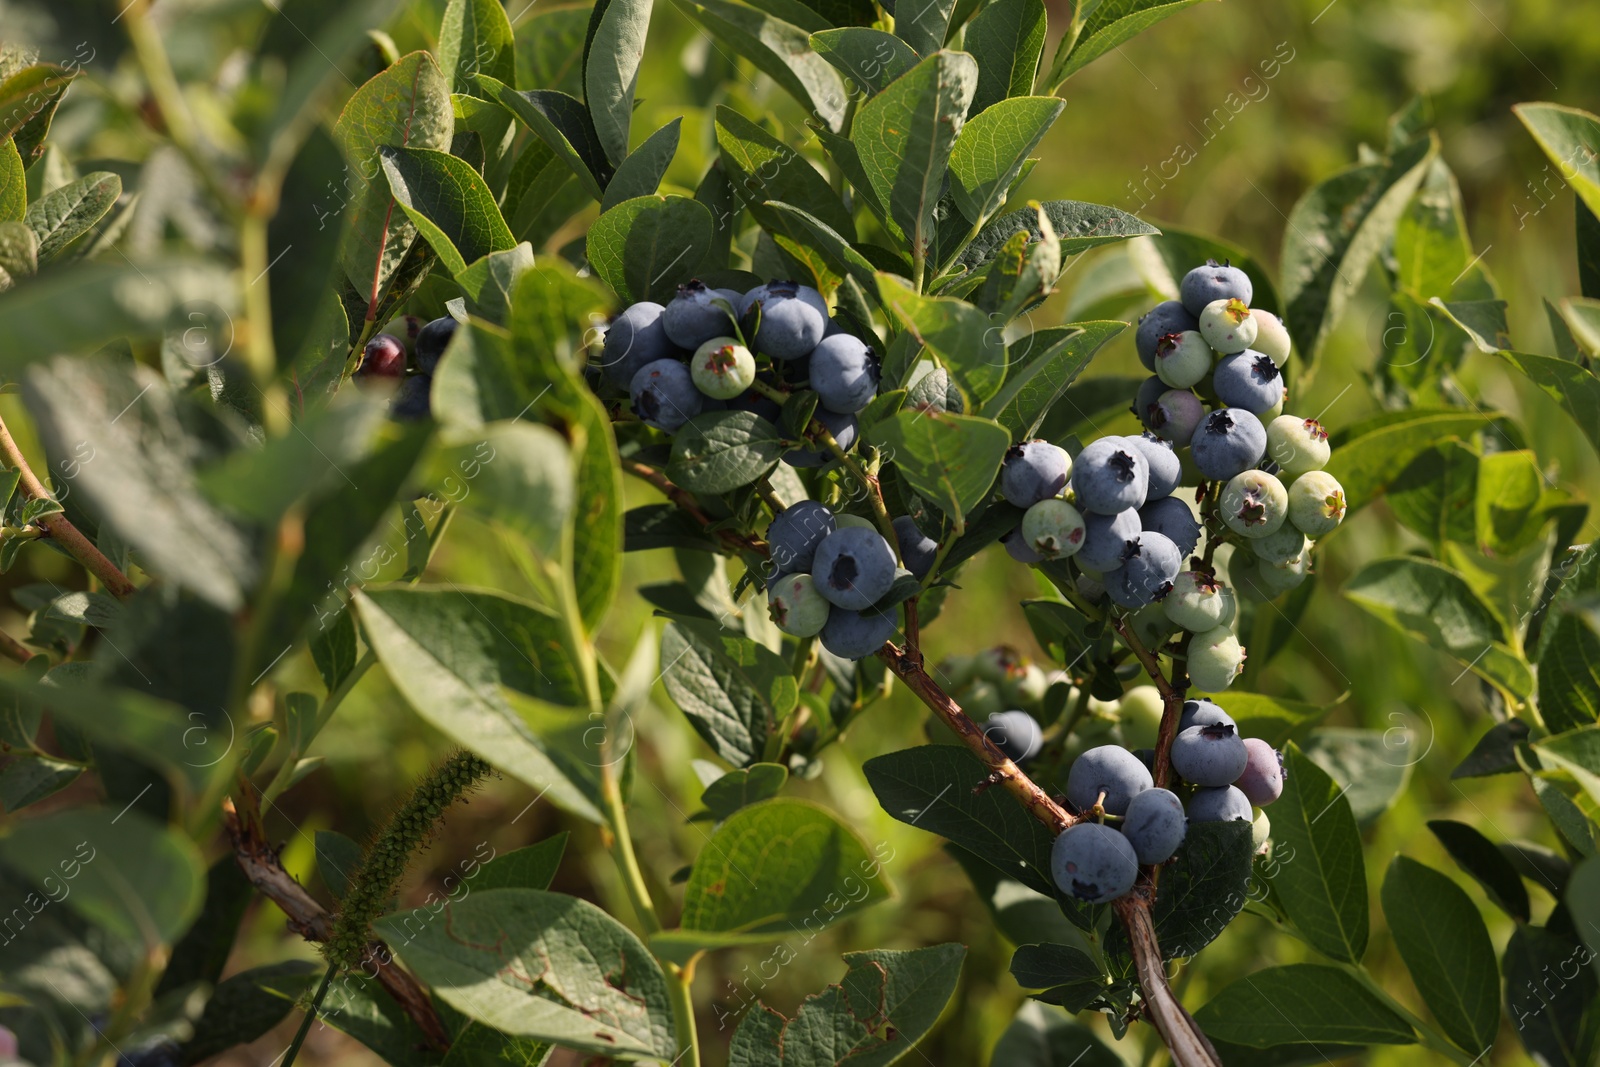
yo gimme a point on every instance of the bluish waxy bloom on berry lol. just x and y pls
(1093, 863)
(634, 338)
(1272, 337)
(1034, 471)
(1166, 470)
(1203, 713)
(1173, 517)
(1146, 400)
(1110, 475)
(1297, 445)
(792, 319)
(1105, 537)
(1227, 326)
(1150, 563)
(411, 400)
(844, 374)
(1053, 528)
(1254, 504)
(1108, 769)
(1198, 602)
(698, 313)
(1183, 359)
(794, 534)
(1248, 380)
(1175, 415)
(1215, 659)
(1015, 733)
(1214, 281)
(1209, 755)
(383, 357)
(857, 635)
(722, 368)
(1261, 781)
(1220, 804)
(917, 550)
(664, 395)
(1229, 441)
(432, 340)
(1167, 317)
(1017, 547)
(1316, 503)
(1155, 825)
(854, 567)
(844, 429)
(796, 607)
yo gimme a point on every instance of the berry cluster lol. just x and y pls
(407, 343)
(1127, 820)
(711, 349)
(1114, 511)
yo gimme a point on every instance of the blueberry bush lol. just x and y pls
(373, 363)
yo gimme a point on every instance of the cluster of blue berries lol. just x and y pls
(1127, 821)
(707, 348)
(1114, 509)
(407, 343)
(829, 573)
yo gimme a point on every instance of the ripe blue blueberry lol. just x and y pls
(1108, 769)
(796, 607)
(664, 395)
(792, 319)
(1167, 317)
(1203, 713)
(1053, 529)
(1155, 825)
(1034, 471)
(1219, 804)
(1173, 517)
(1209, 755)
(1016, 733)
(844, 429)
(432, 340)
(1105, 537)
(634, 338)
(1229, 441)
(794, 534)
(383, 357)
(698, 313)
(844, 373)
(1198, 602)
(1017, 547)
(1093, 863)
(1166, 470)
(722, 368)
(1183, 359)
(917, 549)
(1109, 476)
(1261, 781)
(854, 567)
(1175, 415)
(857, 634)
(1150, 563)
(1215, 659)
(1145, 400)
(410, 403)
(1214, 281)
(1248, 380)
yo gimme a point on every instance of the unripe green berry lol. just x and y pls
(796, 607)
(1215, 659)
(1227, 326)
(1139, 716)
(1198, 602)
(722, 368)
(1254, 504)
(1053, 528)
(1272, 337)
(1316, 503)
(1284, 544)
(1182, 359)
(1297, 445)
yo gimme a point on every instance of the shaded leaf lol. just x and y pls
(1318, 875)
(1303, 1002)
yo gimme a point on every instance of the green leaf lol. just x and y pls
(1578, 753)
(1582, 317)
(1043, 1037)
(1483, 321)
(950, 460)
(134, 877)
(1488, 866)
(761, 168)
(1583, 901)
(772, 870)
(450, 652)
(26, 95)
(13, 184)
(1511, 489)
(405, 106)
(1006, 38)
(532, 867)
(1333, 233)
(1323, 888)
(1067, 976)
(1569, 671)
(743, 786)
(1435, 605)
(520, 475)
(19, 253)
(1110, 23)
(719, 451)
(1273, 719)
(1447, 950)
(641, 173)
(1372, 454)
(965, 340)
(563, 124)
(1371, 766)
(1431, 246)
(992, 148)
(317, 45)
(1569, 384)
(924, 27)
(1301, 1003)
(1571, 138)
(1436, 494)
(645, 247)
(611, 59)
(550, 44)
(245, 1006)
(489, 282)
(60, 216)
(1547, 1005)
(1163, 259)
(1033, 388)
(1080, 227)
(931, 787)
(733, 690)
(303, 242)
(904, 137)
(475, 38)
(541, 965)
(1495, 752)
(839, 250)
(30, 778)
(449, 203)
(477, 1045)
(884, 1005)
(869, 57)
(780, 50)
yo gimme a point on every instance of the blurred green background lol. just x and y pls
(1267, 98)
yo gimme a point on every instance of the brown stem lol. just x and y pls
(61, 529)
(1183, 1036)
(684, 499)
(1172, 698)
(260, 864)
(11, 648)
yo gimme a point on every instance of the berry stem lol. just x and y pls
(1172, 698)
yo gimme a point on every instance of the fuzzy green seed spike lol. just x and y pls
(385, 862)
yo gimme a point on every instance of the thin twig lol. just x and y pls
(1171, 700)
(60, 528)
(11, 648)
(684, 499)
(1185, 1040)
